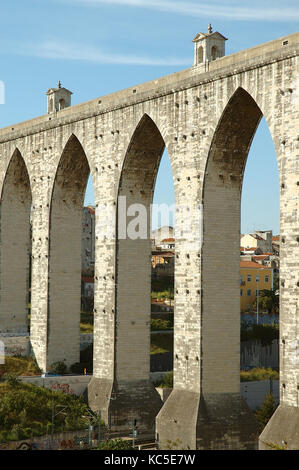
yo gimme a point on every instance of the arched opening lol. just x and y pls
(61, 104)
(214, 53)
(134, 249)
(221, 235)
(65, 260)
(163, 268)
(51, 105)
(87, 280)
(133, 278)
(221, 244)
(15, 247)
(259, 266)
(200, 55)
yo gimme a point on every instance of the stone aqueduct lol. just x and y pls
(206, 117)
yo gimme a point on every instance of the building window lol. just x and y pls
(200, 55)
(61, 104)
(248, 292)
(241, 292)
(51, 105)
(267, 278)
(214, 53)
(257, 293)
(248, 277)
(257, 278)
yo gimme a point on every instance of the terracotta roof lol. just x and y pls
(90, 209)
(252, 264)
(168, 240)
(276, 238)
(163, 254)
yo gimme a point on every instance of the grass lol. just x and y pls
(17, 365)
(245, 376)
(161, 343)
(26, 411)
(167, 381)
(167, 294)
(86, 322)
(259, 373)
(158, 324)
(86, 328)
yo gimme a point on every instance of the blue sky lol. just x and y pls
(96, 47)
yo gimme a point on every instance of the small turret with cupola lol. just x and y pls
(208, 46)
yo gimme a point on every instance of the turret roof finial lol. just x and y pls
(210, 30)
(59, 84)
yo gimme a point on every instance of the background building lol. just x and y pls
(254, 277)
(258, 239)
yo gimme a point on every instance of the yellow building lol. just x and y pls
(254, 277)
(162, 257)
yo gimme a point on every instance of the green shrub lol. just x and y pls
(159, 324)
(162, 295)
(259, 373)
(19, 365)
(265, 333)
(167, 381)
(26, 411)
(264, 413)
(115, 444)
(161, 343)
(12, 380)
(58, 368)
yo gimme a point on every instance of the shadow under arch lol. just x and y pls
(65, 238)
(220, 319)
(15, 246)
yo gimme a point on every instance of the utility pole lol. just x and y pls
(90, 429)
(53, 416)
(52, 427)
(134, 432)
(99, 429)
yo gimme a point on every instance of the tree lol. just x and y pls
(269, 299)
(264, 413)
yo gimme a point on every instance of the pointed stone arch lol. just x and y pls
(65, 235)
(15, 246)
(221, 199)
(127, 378)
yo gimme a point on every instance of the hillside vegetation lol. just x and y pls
(17, 365)
(26, 411)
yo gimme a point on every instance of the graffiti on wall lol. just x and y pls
(64, 387)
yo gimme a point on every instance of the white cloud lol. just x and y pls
(57, 49)
(213, 9)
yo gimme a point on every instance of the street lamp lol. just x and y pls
(90, 426)
(53, 416)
